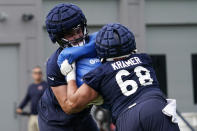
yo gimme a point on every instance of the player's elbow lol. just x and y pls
(70, 107)
(67, 111)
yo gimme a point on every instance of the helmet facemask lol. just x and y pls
(63, 42)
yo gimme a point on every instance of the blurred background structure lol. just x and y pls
(165, 29)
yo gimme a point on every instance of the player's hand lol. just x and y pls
(74, 53)
(19, 111)
(72, 74)
(65, 67)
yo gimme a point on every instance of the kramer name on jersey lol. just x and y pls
(122, 64)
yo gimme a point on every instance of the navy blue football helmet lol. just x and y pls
(114, 40)
(62, 19)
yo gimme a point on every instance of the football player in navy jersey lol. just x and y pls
(127, 82)
(66, 25)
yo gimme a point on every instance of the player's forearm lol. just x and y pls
(76, 101)
(70, 107)
(71, 90)
(71, 104)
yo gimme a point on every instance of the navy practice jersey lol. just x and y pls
(33, 95)
(49, 108)
(122, 82)
(54, 75)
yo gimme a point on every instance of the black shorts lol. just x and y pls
(146, 116)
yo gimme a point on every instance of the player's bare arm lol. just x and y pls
(78, 98)
(60, 93)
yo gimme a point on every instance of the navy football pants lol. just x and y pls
(146, 116)
(85, 124)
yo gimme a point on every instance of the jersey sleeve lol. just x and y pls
(94, 79)
(54, 75)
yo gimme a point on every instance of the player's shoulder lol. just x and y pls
(54, 75)
(53, 58)
(52, 61)
(143, 57)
